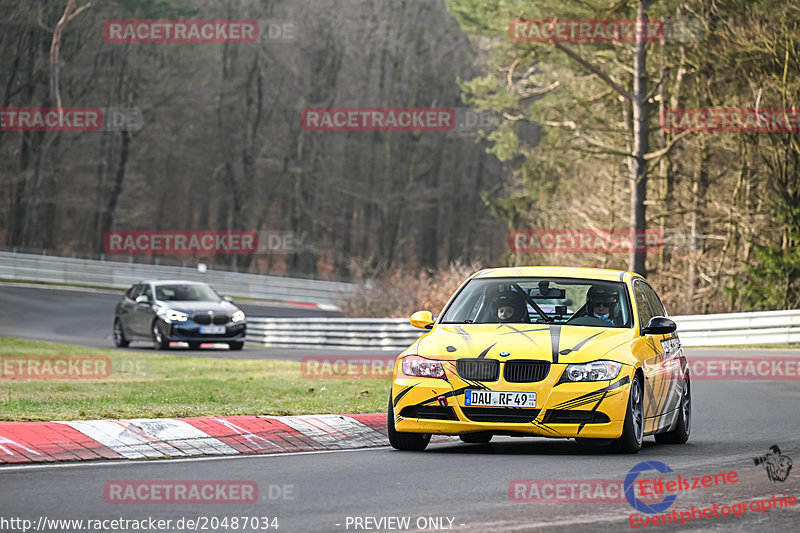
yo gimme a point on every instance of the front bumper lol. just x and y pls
(190, 332)
(584, 409)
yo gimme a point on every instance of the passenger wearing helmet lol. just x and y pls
(509, 306)
(599, 303)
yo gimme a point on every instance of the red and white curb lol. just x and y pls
(139, 438)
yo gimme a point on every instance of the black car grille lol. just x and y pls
(205, 318)
(567, 416)
(501, 415)
(429, 411)
(478, 369)
(526, 371)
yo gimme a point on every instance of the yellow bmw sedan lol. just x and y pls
(558, 352)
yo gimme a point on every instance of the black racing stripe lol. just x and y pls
(483, 353)
(555, 337)
(572, 404)
(592, 395)
(522, 332)
(578, 346)
(453, 393)
(403, 393)
(544, 426)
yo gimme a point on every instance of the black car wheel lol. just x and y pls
(683, 427)
(119, 335)
(236, 345)
(633, 427)
(159, 339)
(415, 442)
(193, 345)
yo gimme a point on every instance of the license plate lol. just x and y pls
(212, 330)
(499, 399)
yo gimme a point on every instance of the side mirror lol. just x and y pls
(143, 299)
(422, 320)
(659, 325)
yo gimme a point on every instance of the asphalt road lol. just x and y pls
(84, 317)
(310, 492)
(452, 485)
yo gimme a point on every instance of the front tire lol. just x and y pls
(236, 345)
(633, 427)
(119, 335)
(160, 341)
(680, 434)
(414, 442)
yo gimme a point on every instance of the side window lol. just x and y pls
(642, 306)
(655, 301)
(148, 291)
(134, 292)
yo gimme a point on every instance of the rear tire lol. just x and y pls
(194, 345)
(633, 427)
(119, 335)
(236, 345)
(683, 427)
(476, 438)
(414, 442)
(160, 341)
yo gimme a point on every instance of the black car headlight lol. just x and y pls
(238, 316)
(594, 371)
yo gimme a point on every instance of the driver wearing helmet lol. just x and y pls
(509, 306)
(599, 302)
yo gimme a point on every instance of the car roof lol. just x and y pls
(601, 274)
(170, 282)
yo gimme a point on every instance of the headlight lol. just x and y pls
(176, 316)
(594, 371)
(414, 365)
(238, 316)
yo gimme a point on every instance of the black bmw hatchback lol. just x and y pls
(177, 311)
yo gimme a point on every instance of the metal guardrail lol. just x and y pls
(113, 274)
(351, 333)
(764, 327)
(770, 327)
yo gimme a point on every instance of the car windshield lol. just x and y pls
(578, 302)
(186, 293)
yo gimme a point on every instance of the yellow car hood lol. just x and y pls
(554, 343)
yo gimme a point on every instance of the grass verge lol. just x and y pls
(160, 384)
